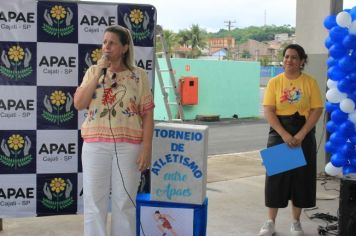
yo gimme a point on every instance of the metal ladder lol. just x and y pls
(164, 88)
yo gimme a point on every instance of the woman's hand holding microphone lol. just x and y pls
(102, 65)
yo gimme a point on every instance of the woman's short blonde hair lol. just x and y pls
(125, 38)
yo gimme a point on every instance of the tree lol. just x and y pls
(171, 41)
(194, 38)
(261, 34)
(183, 38)
(198, 40)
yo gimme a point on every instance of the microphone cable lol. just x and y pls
(115, 147)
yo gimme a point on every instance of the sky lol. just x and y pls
(211, 15)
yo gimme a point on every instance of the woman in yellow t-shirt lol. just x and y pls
(117, 134)
(292, 106)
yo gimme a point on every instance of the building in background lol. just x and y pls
(268, 53)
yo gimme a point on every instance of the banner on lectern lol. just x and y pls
(179, 163)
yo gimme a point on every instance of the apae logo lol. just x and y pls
(92, 23)
(16, 63)
(57, 194)
(54, 105)
(16, 151)
(137, 23)
(58, 21)
(18, 17)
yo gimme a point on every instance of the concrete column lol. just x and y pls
(311, 34)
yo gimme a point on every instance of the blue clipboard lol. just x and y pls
(281, 158)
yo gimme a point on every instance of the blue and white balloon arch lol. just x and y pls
(341, 94)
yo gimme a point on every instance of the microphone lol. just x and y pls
(114, 78)
(105, 56)
(104, 70)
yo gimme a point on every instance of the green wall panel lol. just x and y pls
(225, 88)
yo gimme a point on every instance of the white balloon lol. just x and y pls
(352, 117)
(347, 105)
(335, 96)
(352, 29)
(331, 83)
(343, 19)
(330, 169)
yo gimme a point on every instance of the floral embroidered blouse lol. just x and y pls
(118, 102)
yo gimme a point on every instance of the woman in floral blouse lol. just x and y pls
(117, 134)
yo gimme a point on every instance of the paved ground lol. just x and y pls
(236, 198)
(235, 135)
(236, 204)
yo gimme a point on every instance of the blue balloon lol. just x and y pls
(344, 85)
(352, 139)
(347, 128)
(349, 41)
(347, 149)
(351, 76)
(353, 161)
(346, 64)
(330, 21)
(330, 147)
(330, 107)
(337, 138)
(338, 116)
(337, 50)
(353, 54)
(348, 170)
(328, 42)
(331, 127)
(331, 62)
(352, 95)
(338, 160)
(335, 73)
(337, 33)
(353, 13)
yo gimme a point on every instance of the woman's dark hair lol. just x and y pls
(125, 38)
(300, 50)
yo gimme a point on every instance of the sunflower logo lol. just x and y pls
(57, 185)
(96, 55)
(57, 194)
(58, 98)
(137, 21)
(16, 151)
(58, 107)
(15, 142)
(58, 12)
(136, 16)
(58, 21)
(16, 53)
(16, 62)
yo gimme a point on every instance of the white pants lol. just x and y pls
(100, 175)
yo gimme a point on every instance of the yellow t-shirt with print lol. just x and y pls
(291, 96)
